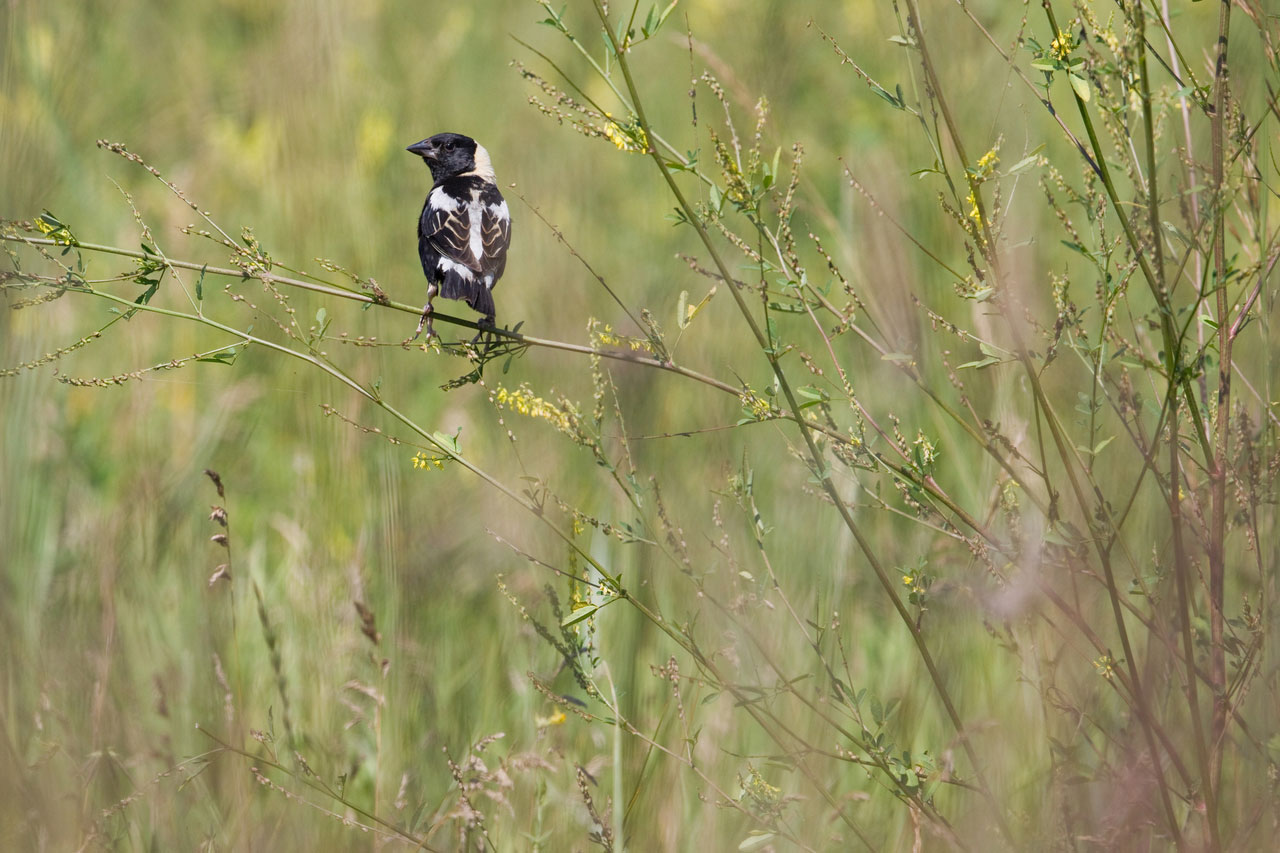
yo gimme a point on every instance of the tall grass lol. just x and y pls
(914, 490)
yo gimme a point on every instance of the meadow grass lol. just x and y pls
(885, 456)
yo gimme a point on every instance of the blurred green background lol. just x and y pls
(291, 118)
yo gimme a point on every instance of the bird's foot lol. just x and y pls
(425, 322)
(486, 333)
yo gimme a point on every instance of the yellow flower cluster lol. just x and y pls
(757, 787)
(1105, 666)
(928, 451)
(987, 162)
(627, 137)
(1062, 46)
(422, 460)
(758, 407)
(523, 401)
(974, 213)
(915, 583)
(602, 334)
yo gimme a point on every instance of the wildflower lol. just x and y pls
(974, 213)
(629, 136)
(523, 401)
(557, 718)
(1062, 46)
(987, 162)
(755, 406)
(422, 460)
(924, 452)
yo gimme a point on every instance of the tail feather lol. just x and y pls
(455, 286)
(481, 299)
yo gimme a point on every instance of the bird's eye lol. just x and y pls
(448, 146)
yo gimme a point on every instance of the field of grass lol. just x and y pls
(949, 523)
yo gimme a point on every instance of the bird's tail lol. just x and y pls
(474, 292)
(481, 299)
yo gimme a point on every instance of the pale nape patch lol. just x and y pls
(484, 166)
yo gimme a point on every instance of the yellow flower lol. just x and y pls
(1062, 46)
(557, 717)
(628, 136)
(988, 162)
(759, 408)
(523, 401)
(422, 460)
(974, 213)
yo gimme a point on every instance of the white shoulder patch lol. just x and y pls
(500, 211)
(441, 200)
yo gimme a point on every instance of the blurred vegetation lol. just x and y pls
(360, 639)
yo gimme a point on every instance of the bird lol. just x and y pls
(465, 227)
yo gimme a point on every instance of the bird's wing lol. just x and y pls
(446, 225)
(495, 232)
(468, 222)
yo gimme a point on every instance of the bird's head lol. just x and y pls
(451, 154)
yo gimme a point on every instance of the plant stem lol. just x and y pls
(818, 464)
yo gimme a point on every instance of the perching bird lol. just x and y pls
(465, 227)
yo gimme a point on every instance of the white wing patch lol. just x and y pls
(500, 211)
(462, 270)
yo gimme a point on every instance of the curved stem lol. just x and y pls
(818, 463)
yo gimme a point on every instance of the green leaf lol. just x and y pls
(446, 442)
(1081, 87)
(200, 284)
(580, 615)
(755, 840)
(895, 100)
(980, 363)
(650, 22)
(682, 310)
(1032, 159)
(146, 295)
(227, 356)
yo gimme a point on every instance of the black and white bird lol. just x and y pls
(465, 227)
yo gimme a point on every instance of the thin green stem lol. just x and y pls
(818, 464)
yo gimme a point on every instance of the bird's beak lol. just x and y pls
(423, 149)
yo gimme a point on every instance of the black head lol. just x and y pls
(449, 154)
